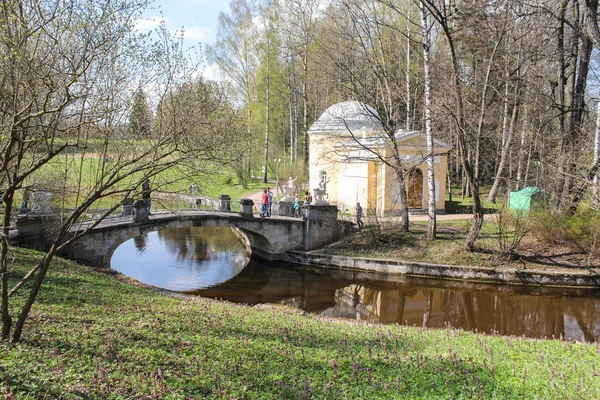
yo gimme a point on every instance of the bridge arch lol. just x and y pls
(268, 239)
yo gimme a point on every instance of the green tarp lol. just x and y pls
(524, 199)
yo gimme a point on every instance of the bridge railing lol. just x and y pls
(198, 204)
(231, 205)
(203, 204)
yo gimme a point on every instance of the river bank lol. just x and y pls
(574, 277)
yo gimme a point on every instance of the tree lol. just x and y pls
(141, 118)
(431, 227)
(368, 64)
(303, 14)
(234, 52)
(442, 13)
(64, 71)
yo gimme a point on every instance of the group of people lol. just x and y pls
(266, 203)
(307, 201)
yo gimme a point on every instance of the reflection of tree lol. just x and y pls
(428, 306)
(467, 303)
(201, 243)
(557, 317)
(140, 243)
(487, 308)
(579, 317)
(401, 305)
(186, 244)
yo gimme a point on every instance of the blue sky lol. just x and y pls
(198, 18)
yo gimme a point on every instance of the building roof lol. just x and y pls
(404, 138)
(346, 118)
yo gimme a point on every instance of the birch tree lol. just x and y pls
(432, 226)
(234, 52)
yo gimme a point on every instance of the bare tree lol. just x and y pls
(369, 33)
(442, 12)
(65, 74)
(303, 14)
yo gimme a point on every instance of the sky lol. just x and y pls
(198, 18)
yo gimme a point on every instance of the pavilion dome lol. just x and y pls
(347, 117)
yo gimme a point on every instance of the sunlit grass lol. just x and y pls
(93, 336)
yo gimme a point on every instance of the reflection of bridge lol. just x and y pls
(269, 238)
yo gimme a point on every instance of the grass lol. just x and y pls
(92, 335)
(539, 248)
(383, 240)
(62, 174)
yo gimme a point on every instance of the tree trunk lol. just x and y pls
(33, 293)
(595, 194)
(408, 93)
(6, 319)
(505, 150)
(431, 226)
(305, 106)
(562, 84)
(266, 125)
(522, 152)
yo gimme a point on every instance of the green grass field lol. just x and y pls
(92, 335)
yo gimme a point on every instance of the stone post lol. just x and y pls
(36, 230)
(246, 208)
(141, 211)
(321, 225)
(225, 202)
(127, 208)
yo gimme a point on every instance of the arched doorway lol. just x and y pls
(415, 188)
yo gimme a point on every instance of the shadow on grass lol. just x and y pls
(457, 207)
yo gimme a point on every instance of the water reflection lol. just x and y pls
(507, 310)
(182, 259)
(211, 262)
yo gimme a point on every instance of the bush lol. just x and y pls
(580, 231)
(228, 180)
(511, 229)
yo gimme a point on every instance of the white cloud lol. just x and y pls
(147, 24)
(196, 33)
(213, 73)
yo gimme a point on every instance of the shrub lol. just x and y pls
(511, 229)
(580, 231)
(228, 180)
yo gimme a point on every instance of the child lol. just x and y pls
(296, 205)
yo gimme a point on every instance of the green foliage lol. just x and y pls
(141, 118)
(580, 231)
(228, 180)
(93, 335)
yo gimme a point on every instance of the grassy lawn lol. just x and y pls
(383, 240)
(548, 242)
(67, 176)
(92, 335)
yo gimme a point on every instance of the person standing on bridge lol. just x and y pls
(270, 203)
(296, 206)
(146, 190)
(264, 204)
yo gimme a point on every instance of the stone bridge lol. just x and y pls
(268, 238)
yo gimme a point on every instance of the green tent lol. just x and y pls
(525, 199)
